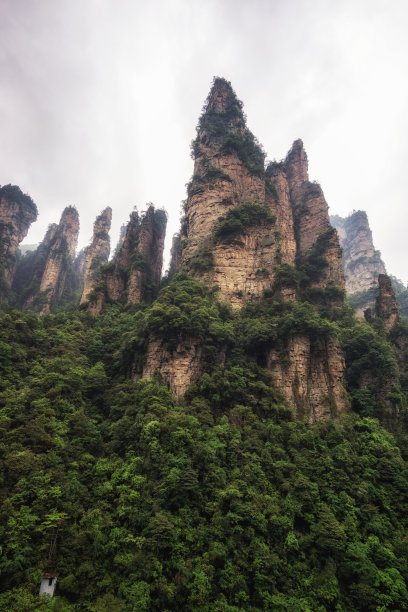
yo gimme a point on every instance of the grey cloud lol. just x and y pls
(99, 100)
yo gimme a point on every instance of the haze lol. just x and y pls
(99, 101)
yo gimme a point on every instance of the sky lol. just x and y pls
(99, 100)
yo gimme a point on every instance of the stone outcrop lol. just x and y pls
(225, 177)
(289, 225)
(53, 264)
(179, 368)
(97, 254)
(79, 269)
(386, 307)
(312, 380)
(313, 231)
(17, 212)
(134, 274)
(362, 264)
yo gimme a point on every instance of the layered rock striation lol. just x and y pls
(17, 212)
(134, 274)
(97, 254)
(312, 381)
(248, 231)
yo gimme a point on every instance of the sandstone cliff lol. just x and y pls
(248, 231)
(17, 212)
(134, 274)
(362, 264)
(52, 265)
(312, 381)
(386, 307)
(97, 253)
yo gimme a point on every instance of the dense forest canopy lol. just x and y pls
(219, 501)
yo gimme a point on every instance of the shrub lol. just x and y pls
(286, 276)
(238, 219)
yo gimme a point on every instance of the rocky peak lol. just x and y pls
(315, 237)
(53, 264)
(17, 212)
(69, 229)
(103, 223)
(296, 166)
(362, 264)
(386, 307)
(245, 229)
(134, 274)
(97, 253)
(221, 97)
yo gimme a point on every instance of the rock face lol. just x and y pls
(312, 383)
(53, 264)
(17, 212)
(229, 174)
(134, 274)
(362, 264)
(97, 253)
(242, 224)
(180, 368)
(386, 307)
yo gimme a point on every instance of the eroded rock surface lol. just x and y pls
(60, 242)
(311, 378)
(17, 212)
(386, 307)
(135, 271)
(97, 254)
(228, 175)
(179, 368)
(362, 264)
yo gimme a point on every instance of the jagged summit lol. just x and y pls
(97, 253)
(296, 164)
(251, 232)
(222, 131)
(222, 99)
(362, 263)
(17, 212)
(103, 221)
(134, 274)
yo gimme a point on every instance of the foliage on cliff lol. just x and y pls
(218, 502)
(13, 193)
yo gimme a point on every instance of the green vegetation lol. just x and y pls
(202, 260)
(238, 219)
(312, 265)
(248, 150)
(286, 276)
(228, 130)
(362, 299)
(221, 501)
(13, 193)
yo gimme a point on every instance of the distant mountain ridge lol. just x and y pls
(362, 263)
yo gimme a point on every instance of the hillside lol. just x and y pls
(230, 437)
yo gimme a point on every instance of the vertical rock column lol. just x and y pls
(53, 263)
(60, 259)
(136, 269)
(97, 254)
(17, 212)
(386, 307)
(228, 173)
(362, 264)
(311, 214)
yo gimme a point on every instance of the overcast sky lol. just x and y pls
(99, 100)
